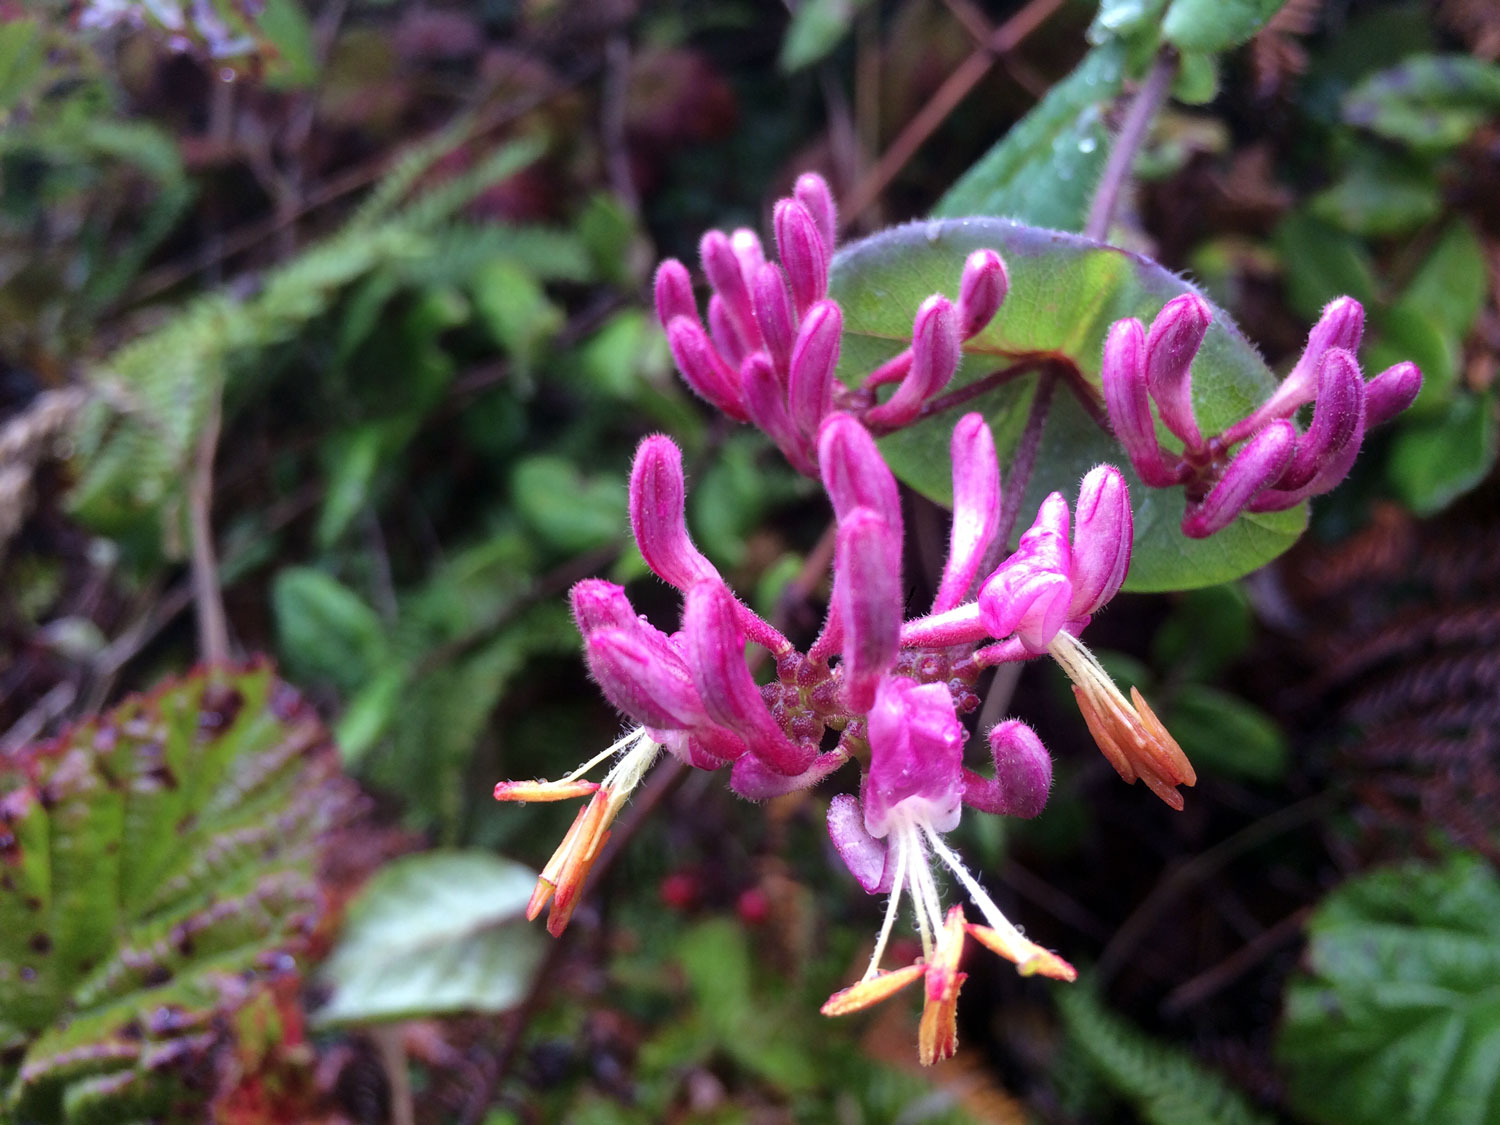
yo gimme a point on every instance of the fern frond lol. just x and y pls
(1166, 1086)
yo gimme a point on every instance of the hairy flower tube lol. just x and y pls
(1264, 462)
(771, 347)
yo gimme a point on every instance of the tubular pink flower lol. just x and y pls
(1338, 419)
(868, 594)
(1023, 774)
(935, 354)
(643, 675)
(715, 650)
(754, 781)
(773, 313)
(981, 291)
(674, 292)
(1263, 459)
(854, 473)
(703, 368)
(916, 757)
(658, 515)
(722, 267)
(815, 355)
(1031, 592)
(1342, 325)
(1102, 539)
(748, 251)
(724, 333)
(1175, 337)
(813, 192)
(804, 255)
(765, 400)
(976, 508)
(598, 604)
(1123, 375)
(1391, 392)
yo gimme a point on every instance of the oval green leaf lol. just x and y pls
(1065, 292)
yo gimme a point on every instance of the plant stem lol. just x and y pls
(213, 627)
(1148, 99)
(393, 1061)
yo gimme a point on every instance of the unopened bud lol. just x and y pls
(1175, 337)
(976, 508)
(1023, 774)
(1254, 468)
(813, 192)
(935, 352)
(869, 599)
(804, 255)
(658, 515)
(646, 681)
(702, 368)
(854, 473)
(1102, 537)
(981, 291)
(598, 604)
(1338, 418)
(773, 313)
(1391, 392)
(765, 400)
(674, 293)
(815, 355)
(1127, 398)
(721, 265)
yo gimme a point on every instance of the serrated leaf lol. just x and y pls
(1215, 25)
(1043, 170)
(1429, 102)
(1396, 1014)
(1065, 292)
(157, 866)
(434, 934)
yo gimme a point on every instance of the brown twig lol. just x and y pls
(213, 626)
(1143, 107)
(1197, 989)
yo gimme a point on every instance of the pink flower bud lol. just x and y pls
(916, 757)
(976, 508)
(747, 250)
(935, 352)
(1123, 375)
(648, 681)
(715, 650)
(765, 401)
(1338, 418)
(812, 192)
(869, 596)
(981, 291)
(703, 369)
(1102, 540)
(658, 516)
(1175, 337)
(727, 338)
(854, 473)
(1023, 774)
(863, 855)
(674, 292)
(804, 255)
(1391, 392)
(773, 313)
(598, 604)
(722, 267)
(814, 359)
(1030, 593)
(754, 781)
(1263, 459)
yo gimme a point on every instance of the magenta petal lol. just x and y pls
(598, 604)
(1391, 392)
(815, 355)
(1101, 541)
(1032, 603)
(658, 515)
(813, 192)
(1123, 375)
(753, 781)
(981, 291)
(804, 255)
(1263, 459)
(854, 473)
(765, 400)
(1338, 418)
(773, 313)
(1173, 342)
(976, 508)
(916, 756)
(1023, 774)
(726, 336)
(867, 588)
(646, 680)
(748, 251)
(935, 350)
(703, 368)
(674, 292)
(715, 651)
(722, 267)
(863, 855)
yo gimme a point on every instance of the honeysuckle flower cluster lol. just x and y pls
(873, 687)
(1277, 465)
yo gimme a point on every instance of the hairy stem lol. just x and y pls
(1148, 99)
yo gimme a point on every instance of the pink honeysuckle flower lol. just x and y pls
(935, 355)
(804, 253)
(913, 793)
(1277, 466)
(867, 599)
(976, 508)
(1023, 774)
(981, 291)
